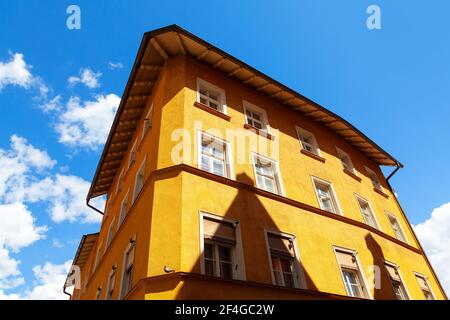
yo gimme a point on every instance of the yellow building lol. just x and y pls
(222, 183)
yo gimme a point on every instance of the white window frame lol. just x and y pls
(222, 106)
(315, 146)
(373, 215)
(228, 162)
(141, 168)
(341, 153)
(397, 267)
(277, 172)
(393, 216)
(362, 279)
(132, 156)
(299, 274)
(148, 121)
(110, 235)
(370, 172)
(119, 182)
(237, 252)
(111, 273)
(424, 277)
(125, 201)
(255, 109)
(122, 273)
(99, 256)
(334, 198)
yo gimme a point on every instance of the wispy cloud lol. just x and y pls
(115, 65)
(87, 77)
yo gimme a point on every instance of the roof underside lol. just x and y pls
(84, 249)
(162, 44)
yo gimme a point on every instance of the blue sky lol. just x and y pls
(393, 84)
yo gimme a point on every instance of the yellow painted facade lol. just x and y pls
(165, 219)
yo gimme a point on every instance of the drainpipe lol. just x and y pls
(92, 207)
(64, 290)
(399, 166)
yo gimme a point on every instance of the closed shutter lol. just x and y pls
(393, 273)
(281, 245)
(347, 260)
(423, 283)
(130, 258)
(219, 231)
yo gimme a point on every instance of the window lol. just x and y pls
(128, 270)
(139, 181)
(267, 174)
(219, 248)
(132, 158)
(214, 155)
(255, 117)
(423, 284)
(210, 95)
(325, 195)
(111, 283)
(374, 178)
(308, 141)
(396, 281)
(347, 163)
(98, 294)
(396, 227)
(351, 274)
(147, 124)
(120, 182)
(110, 235)
(367, 213)
(99, 256)
(123, 209)
(282, 257)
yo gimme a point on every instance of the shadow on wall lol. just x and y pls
(253, 220)
(385, 289)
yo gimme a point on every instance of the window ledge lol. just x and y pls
(312, 155)
(212, 111)
(259, 132)
(351, 174)
(381, 193)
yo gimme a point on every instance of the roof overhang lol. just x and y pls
(160, 45)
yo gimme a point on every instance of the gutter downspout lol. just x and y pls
(92, 207)
(64, 290)
(399, 166)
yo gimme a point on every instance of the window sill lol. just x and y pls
(381, 193)
(259, 132)
(351, 174)
(212, 111)
(312, 155)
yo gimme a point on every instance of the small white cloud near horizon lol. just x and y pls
(434, 235)
(48, 284)
(86, 124)
(115, 65)
(87, 77)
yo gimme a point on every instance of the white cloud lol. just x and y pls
(48, 285)
(66, 195)
(50, 280)
(57, 244)
(87, 77)
(15, 72)
(17, 230)
(86, 124)
(115, 65)
(434, 235)
(53, 104)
